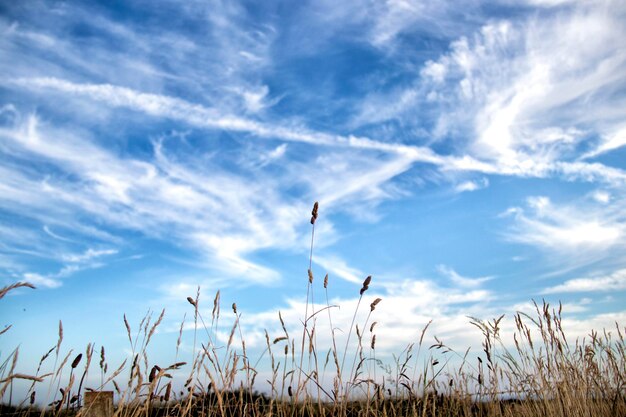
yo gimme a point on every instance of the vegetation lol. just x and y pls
(545, 374)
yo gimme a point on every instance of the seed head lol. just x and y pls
(310, 276)
(367, 281)
(216, 301)
(326, 281)
(235, 308)
(314, 212)
(374, 303)
(153, 373)
(77, 360)
(191, 301)
(366, 284)
(102, 357)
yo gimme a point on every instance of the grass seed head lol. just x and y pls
(153, 373)
(374, 303)
(216, 302)
(367, 281)
(366, 284)
(77, 360)
(314, 212)
(191, 301)
(5, 290)
(61, 335)
(168, 391)
(102, 357)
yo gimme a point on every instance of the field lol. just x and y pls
(539, 373)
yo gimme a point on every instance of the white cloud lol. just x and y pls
(543, 77)
(568, 228)
(230, 251)
(461, 281)
(615, 281)
(602, 196)
(406, 307)
(435, 70)
(406, 155)
(197, 115)
(338, 267)
(273, 156)
(54, 235)
(278, 152)
(88, 255)
(254, 99)
(41, 281)
(131, 194)
(164, 196)
(471, 185)
(73, 263)
(608, 143)
(395, 16)
(389, 21)
(525, 95)
(580, 327)
(223, 215)
(216, 61)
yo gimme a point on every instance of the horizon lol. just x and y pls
(470, 157)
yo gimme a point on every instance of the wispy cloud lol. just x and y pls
(567, 228)
(367, 174)
(73, 263)
(336, 266)
(608, 143)
(407, 306)
(522, 94)
(224, 215)
(200, 116)
(42, 281)
(574, 234)
(615, 281)
(471, 185)
(459, 280)
(212, 118)
(115, 191)
(88, 255)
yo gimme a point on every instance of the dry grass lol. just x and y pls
(544, 374)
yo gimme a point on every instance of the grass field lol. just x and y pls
(539, 373)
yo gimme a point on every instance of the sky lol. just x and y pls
(469, 155)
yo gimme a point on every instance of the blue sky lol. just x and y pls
(468, 155)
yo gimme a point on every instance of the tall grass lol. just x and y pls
(542, 373)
